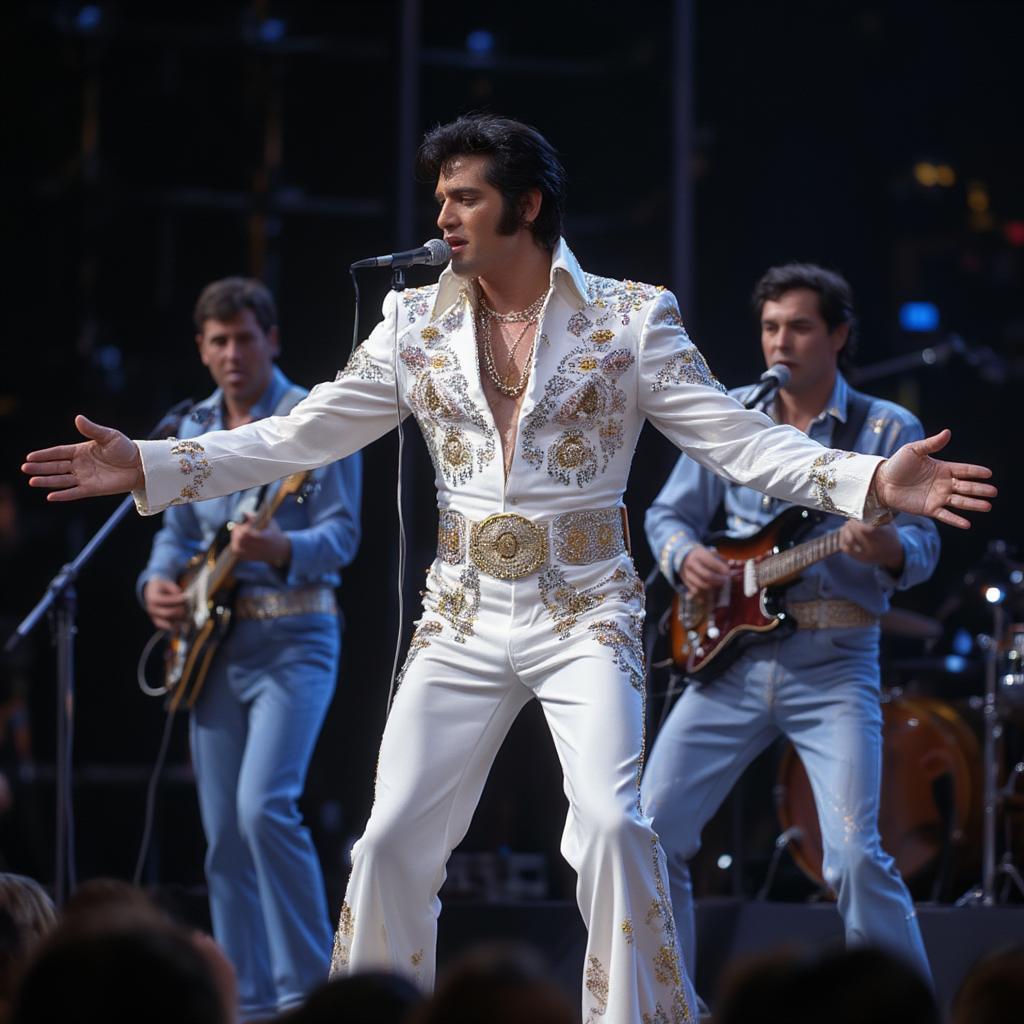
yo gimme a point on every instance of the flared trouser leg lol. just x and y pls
(449, 717)
(633, 969)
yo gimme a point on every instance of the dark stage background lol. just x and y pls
(151, 148)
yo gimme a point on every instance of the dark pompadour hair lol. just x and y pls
(835, 298)
(226, 298)
(520, 159)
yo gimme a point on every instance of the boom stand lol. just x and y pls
(60, 601)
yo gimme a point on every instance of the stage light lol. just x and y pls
(955, 663)
(89, 18)
(919, 316)
(272, 30)
(725, 862)
(480, 42)
(926, 174)
(1014, 231)
(977, 197)
(995, 595)
(963, 642)
(945, 176)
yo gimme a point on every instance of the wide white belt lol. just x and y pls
(509, 546)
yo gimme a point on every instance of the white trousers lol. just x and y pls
(569, 637)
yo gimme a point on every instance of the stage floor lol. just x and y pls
(727, 929)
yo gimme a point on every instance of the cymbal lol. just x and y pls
(903, 622)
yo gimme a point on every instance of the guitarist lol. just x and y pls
(260, 710)
(820, 685)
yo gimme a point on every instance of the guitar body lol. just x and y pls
(191, 650)
(708, 635)
(210, 586)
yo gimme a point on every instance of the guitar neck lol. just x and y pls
(227, 559)
(776, 568)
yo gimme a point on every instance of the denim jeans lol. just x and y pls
(819, 688)
(253, 731)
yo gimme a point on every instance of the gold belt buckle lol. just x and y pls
(508, 546)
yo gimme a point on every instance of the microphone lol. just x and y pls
(772, 379)
(432, 253)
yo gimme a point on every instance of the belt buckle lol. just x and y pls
(508, 546)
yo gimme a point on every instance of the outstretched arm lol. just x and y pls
(334, 420)
(679, 395)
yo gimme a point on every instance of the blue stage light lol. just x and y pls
(954, 663)
(963, 642)
(480, 42)
(272, 30)
(89, 17)
(919, 316)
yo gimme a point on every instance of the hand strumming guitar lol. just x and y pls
(165, 603)
(703, 571)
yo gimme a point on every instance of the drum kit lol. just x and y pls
(945, 791)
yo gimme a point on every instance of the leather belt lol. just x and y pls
(830, 614)
(509, 546)
(276, 604)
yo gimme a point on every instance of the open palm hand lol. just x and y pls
(108, 463)
(912, 481)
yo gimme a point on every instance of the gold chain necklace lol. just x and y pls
(528, 317)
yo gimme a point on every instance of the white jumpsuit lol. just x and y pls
(542, 601)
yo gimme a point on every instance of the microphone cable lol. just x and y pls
(400, 425)
(400, 583)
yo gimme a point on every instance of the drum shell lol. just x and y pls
(928, 753)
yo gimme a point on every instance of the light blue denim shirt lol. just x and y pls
(324, 529)
(681, 514)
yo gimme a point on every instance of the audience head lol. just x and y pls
(993, 991)
(99, 899)
(373, 997)
(855, 985)
(496, 985)
(28, 908)
(121, 971)
(842, 987)
(759, 988)
(27, 915)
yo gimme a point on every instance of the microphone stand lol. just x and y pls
(60, 601)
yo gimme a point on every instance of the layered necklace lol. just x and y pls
(509, 385)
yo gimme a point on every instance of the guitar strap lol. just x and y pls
(845, 435)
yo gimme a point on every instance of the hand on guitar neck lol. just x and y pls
(872, 545)
(253, 544)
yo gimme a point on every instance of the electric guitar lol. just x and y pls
(209, 588)
(709, 632)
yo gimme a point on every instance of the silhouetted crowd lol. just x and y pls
(114, 956)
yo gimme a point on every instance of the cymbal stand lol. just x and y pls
(992, 727)
(1006, 867)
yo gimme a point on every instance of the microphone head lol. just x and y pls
(779, 373)
(440, 251)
